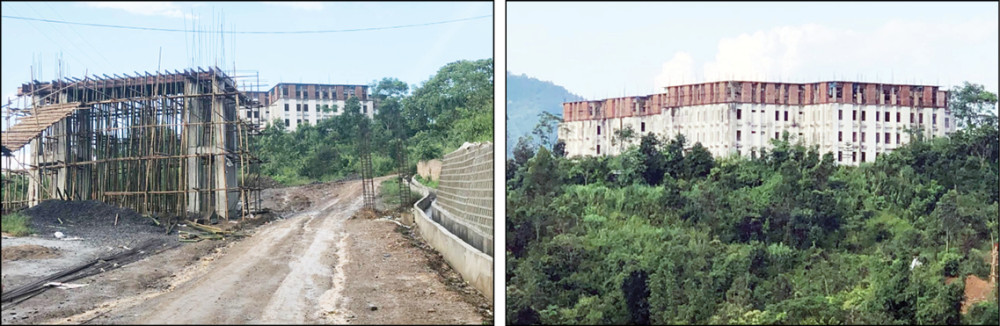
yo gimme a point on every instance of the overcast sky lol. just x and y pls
(600, 50)
(411, 54)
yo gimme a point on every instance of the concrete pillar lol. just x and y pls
(218, 146)
(61, 155)
(34, 190)
(194, 169)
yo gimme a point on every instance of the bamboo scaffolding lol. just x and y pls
(161, 144)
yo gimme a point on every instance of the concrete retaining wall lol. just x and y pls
(464, 202)
(475, 266)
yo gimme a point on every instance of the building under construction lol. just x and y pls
(163, 144)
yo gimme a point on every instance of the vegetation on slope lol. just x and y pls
(454, 106)
(665, 235)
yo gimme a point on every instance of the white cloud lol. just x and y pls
(897, 51)
(298, 5)
(677, 71)
(168, 9)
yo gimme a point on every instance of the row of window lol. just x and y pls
(305, 108)
(840, 116)
(303, 94)
(777, 114)
(642, 127)
(854, 137)
(840, 137)
(854, 156)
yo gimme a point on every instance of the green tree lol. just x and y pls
(622, 137)
(972, 104)
(698, 162)
(547, 123)
(523, 151)
(652, 159)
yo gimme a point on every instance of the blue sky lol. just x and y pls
(600, 50)
(410, 54)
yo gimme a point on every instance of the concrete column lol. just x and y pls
(61, 155)
(34, 190)
(218, 146)
(194, 170)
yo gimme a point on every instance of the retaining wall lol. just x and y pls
(475, 266)
(464, 202)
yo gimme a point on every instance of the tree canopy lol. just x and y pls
(666, 234)
(454, 106)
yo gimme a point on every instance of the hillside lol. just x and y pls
(664, 235)
(526, 98)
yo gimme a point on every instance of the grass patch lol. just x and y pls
(16, 224)
(427, 182)
(389, 191)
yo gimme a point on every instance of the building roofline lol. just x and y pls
(752, 81)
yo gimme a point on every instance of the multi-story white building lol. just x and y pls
(295, 104)
(854, 121)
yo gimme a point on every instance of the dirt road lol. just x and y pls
(315, 266)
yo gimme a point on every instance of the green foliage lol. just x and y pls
(427, 182)
(787, 237)
(983, 313)
(17, 224)
(14, 185)
(389, 191)
(972, 104)
(453, 107)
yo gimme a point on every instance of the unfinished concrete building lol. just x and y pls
(164, 144)
(296, 103)
(854, 121)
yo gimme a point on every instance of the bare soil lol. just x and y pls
(976, 290)
(313, 264)
(403, 282)
(28, 251)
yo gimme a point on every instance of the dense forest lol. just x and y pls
(667, 234)
(528, 97)
(453, 106)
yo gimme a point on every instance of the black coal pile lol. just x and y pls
(94, 222)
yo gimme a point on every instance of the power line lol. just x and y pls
(250, 32)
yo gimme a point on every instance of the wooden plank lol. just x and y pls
(31, 126)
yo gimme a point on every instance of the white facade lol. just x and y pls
(293, 112)
(854, 133)
(297, 104)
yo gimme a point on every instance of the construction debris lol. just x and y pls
(64, 286)
(89, 268)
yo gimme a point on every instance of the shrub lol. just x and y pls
(16, 224)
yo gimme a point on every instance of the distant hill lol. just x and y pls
(526, 98)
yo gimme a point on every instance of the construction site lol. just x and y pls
(163, 144)
(147, 203)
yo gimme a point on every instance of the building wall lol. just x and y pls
(312, 96)
(844, 118)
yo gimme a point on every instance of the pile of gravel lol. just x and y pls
(94, 221)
